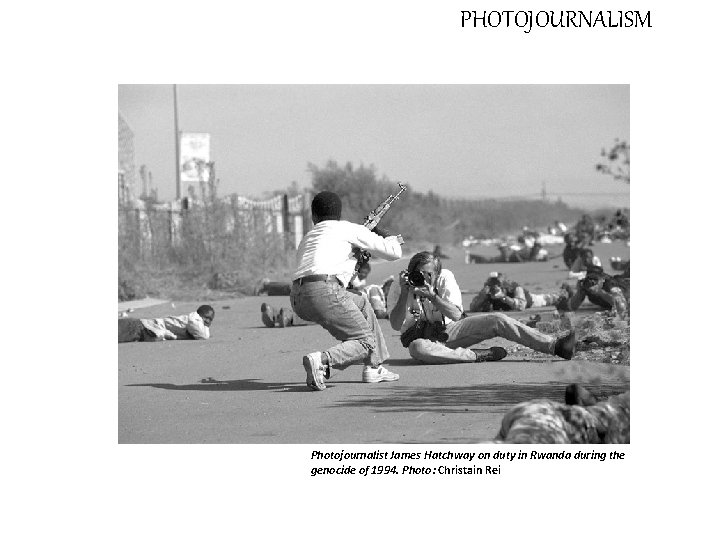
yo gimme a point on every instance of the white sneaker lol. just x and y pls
(378, 374)
(315, 371)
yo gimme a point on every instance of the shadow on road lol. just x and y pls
(230, 386)
(461, 399)
(539, 358)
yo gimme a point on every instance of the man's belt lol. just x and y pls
(316, 277)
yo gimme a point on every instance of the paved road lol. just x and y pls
(247, 384)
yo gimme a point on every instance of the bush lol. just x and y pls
(126, 291)
(170, 252)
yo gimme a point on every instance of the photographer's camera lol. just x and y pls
(416, 278)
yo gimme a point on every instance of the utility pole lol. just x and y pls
(177, 145)
(543, 193)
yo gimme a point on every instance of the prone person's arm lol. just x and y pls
(196, 327)
(518, 300)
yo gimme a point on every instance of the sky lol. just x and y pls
(462, 141)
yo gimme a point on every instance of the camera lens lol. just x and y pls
(416, 278)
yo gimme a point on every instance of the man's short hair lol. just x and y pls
(206, 311)
(326, 205)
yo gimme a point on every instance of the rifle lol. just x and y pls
(373, 218)
(371, 221)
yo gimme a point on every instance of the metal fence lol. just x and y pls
(221, 232)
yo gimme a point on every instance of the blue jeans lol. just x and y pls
(472, 330)
(348, 317)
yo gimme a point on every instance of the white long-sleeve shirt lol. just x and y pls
(190, 326)
(328, 249)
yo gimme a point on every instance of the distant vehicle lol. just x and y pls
(546, 239)
(469, 241)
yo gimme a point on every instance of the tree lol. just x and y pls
(616, 161)
(430, 217)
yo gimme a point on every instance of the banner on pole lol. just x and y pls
(194, 157)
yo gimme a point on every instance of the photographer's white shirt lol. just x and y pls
(447, 288)
(328, 249)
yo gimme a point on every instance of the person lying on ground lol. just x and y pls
(326, 262)
(512, 254)
(598, 287)
(195, 325)
(280, 318)
(500, 294)
(582, 419)
(425, 305)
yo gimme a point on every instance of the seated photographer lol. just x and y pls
(425, 305)
(500, 294)
(598, 287)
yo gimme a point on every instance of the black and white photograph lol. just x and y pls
(374, 252)
(408, 263)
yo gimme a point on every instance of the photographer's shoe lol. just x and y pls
(565, 346)
(268, 315)
(378, 374)
(315, 370)
(493, 354)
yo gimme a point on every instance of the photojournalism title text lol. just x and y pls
(528, 20)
